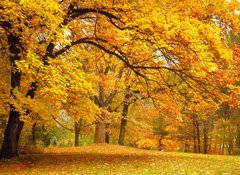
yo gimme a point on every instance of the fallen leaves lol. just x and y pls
(114, 159)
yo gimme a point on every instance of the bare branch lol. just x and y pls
(62, 124)
(110, 98)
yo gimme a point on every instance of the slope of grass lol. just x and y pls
(119, 160)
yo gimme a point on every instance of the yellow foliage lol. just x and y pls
(149, 142)
(170, 144)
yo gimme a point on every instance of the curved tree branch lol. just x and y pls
(91, 42)
(62, 124)
(79, 12)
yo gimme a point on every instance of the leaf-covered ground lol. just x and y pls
(119, 160)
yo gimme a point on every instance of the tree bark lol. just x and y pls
(194, 140)
(160, 145)
(205, 138)
(77, 129)
(107, 135)
(77, 132)
(126, 104)
(34, 133)
(122, 131)
(211, 124)
(198, 137)
(196, 134)
(186, 146)
(100, 133)
(238, 136)
(11, 135)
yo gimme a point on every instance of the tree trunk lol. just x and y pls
(11, 135)
(197, 147)
(194, 139)
(223, 140)
(34, 133)
(14, 126)
(205, 138)
(77, 132)
(77, 128)
(122, 131)
(160, 145)
(186, 149)
(126, 104)
(210, 136)
(107, 136)
(100, 133)
(198, 137)
(238, 136)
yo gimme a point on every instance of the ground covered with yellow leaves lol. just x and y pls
(118, 160)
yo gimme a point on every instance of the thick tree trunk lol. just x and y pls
(14, 126)
(100, 133)
(124, 119)
(11, 135)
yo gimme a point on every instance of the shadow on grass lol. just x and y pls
(85, 158)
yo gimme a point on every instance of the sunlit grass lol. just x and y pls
(113, 159)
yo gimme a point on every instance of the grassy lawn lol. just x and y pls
(117, 160)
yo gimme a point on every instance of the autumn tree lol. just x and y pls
(152, 38)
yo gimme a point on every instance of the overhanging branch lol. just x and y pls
(91, 42)
(61, 124)
(79, 12)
